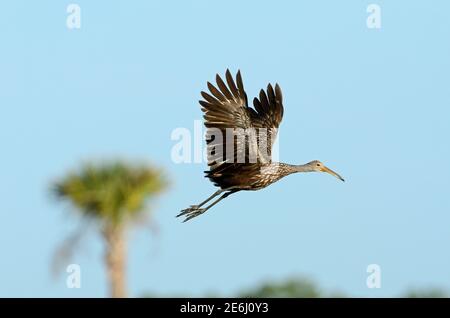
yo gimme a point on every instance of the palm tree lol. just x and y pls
(112, 193)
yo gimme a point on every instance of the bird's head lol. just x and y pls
(318, 166)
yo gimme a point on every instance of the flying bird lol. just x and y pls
(248, 162)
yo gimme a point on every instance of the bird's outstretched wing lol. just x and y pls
(268, 115)
(238, 135)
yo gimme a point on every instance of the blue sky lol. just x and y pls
(371, 104)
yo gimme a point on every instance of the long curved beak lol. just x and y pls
(328, 170)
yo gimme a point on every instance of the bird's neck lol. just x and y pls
(301, 168)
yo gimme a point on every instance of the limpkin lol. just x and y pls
(226, 108)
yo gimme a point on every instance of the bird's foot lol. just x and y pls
(189, 209)
(191, 212)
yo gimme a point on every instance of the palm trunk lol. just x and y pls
(115, 259)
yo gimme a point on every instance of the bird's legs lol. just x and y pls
(195, 210)
(196, 206)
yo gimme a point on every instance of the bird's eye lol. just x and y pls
(318, 164)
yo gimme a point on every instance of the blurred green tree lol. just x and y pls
(113, 194)
(299, 287)
(426, 293)
(290, 288)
